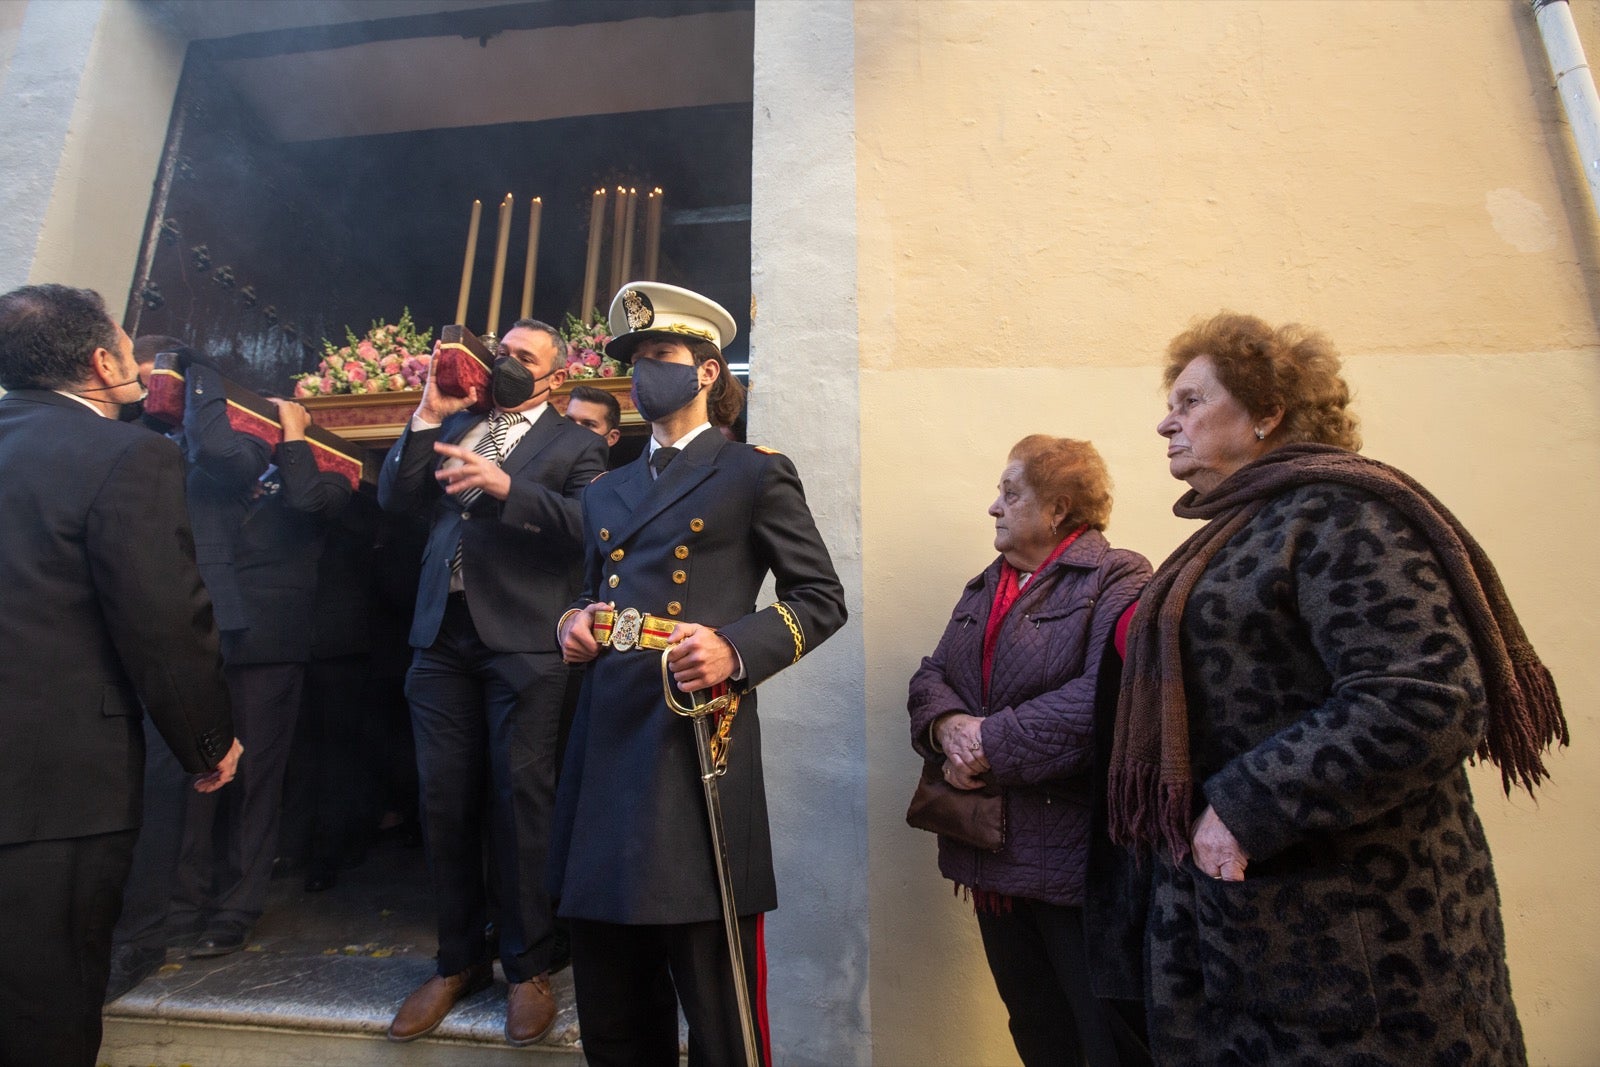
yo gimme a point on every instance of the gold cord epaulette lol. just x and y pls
(793, 623)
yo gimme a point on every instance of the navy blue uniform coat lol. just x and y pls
(631, 844)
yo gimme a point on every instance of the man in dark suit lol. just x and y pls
(486, 683)
(677, 546)
(101, 611)
(260, 516)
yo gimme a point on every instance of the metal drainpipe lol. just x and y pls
(1575, 84)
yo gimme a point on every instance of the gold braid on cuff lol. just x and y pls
(793, 624)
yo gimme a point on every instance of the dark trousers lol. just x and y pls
(229, 883)
(148, 894)
(1036, 953)
(486, 725)
(330, 801)
(58, 903)
(630, 981)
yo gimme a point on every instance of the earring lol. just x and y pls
(1260, 434)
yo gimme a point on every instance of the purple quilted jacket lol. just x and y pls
(1038, 729)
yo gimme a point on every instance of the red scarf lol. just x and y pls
(1005, 595)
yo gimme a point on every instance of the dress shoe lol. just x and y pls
(220, 941)
(320, 876)
(286, 867)
(430, 1002)
(530, 1009)
(130, 965)
(182, 927)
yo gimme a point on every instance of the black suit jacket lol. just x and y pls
(630, 842)
(258, 556)
(521, 557)
(101, 609)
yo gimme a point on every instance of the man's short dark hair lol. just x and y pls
(591, 395)
(554, 334)
(48, 333)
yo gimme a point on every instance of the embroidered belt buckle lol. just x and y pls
(625, 629)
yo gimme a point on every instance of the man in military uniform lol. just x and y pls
(677, 545)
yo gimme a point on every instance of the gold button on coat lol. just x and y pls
(682, 552)
(679, 577)
(616, 555)
(674, 608)
(697, 525)
(613, 581)
(605, 534)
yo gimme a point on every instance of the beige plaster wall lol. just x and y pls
(1048, 191)
(96, 217)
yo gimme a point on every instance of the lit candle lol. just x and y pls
(627, 234)
(652, 234)
(591, 264)
(502, 239)
(616, 238)
(466, 266)
(535, 210)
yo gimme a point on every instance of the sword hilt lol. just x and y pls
(721, 707)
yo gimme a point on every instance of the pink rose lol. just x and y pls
(333, 362)
(591, 359)
(609, 371)
(390, 365)
(398, 381)
(367, 350)
(373, 385)
(356, 372)
(326, 385)
(303, 388)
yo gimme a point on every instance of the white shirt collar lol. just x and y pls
(681, 443)
(90, 404)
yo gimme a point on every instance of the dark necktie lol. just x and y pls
(660, 458)
(492, 446)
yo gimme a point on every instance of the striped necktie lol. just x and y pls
(492, 446)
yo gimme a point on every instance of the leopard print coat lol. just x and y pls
(1334, 696)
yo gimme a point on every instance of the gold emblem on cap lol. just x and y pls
(637, 307)
(678, 578)
(616, 557)
(674, 608)
(697, 525)
(613, 581)
(605, 534)
(682, 552)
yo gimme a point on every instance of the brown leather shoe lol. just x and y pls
(430, 1002)
(530, 1009)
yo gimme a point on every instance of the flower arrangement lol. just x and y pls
(586, 345)
(391, 357)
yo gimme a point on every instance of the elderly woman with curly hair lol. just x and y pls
(1305, 678)
(1007, 702)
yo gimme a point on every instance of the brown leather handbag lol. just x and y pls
(973, 817)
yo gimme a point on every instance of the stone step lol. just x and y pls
(262, 1008)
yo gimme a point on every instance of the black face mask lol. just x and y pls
(133, 412)
(511, 384)
(661, 388)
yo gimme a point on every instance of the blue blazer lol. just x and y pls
(521, 561)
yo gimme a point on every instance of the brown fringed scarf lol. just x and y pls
(1151, 785)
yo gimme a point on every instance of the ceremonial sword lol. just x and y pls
(712, 748)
